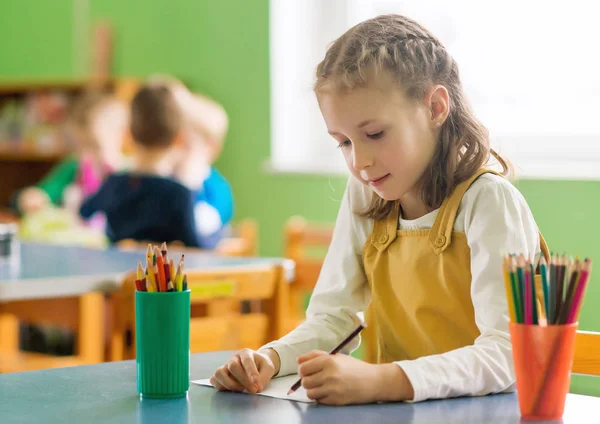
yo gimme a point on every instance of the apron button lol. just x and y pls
(383, 239)
(439, 242)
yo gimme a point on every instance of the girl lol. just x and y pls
(419, 237)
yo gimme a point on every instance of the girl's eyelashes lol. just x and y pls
(375, 136)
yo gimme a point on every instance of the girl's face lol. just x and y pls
(387, 139)
(108, 126)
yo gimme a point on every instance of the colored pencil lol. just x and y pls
(140, 271)
(528, 291)
(149, 253)
(534, 308)
(552, 297)
(579, 292)
(516, 290)
(163, 251)
(162, 279)
(563, 314)
(151, 280)
(179, 278)
(540, 302)
(521, 281)
(509, 291)
(560, 285)
(545, 287)
(552, 290)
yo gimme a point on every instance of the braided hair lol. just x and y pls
(417, 60)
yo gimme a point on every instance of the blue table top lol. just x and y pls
(42, 270)
(106, 393)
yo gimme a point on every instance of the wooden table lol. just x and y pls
(67, 286)
(106, 393)
(48, 271)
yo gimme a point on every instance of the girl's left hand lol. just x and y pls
(339, 379)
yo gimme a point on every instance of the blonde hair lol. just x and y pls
(84, 110)
(417, 60)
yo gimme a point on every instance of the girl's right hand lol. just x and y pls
(247, 370)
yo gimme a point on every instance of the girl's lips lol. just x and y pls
(379, 181)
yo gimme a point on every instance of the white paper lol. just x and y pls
(277, 388)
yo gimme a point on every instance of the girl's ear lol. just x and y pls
(438, 102)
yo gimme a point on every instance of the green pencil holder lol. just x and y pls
(162, 336)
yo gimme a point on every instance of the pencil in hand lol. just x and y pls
(333, 351)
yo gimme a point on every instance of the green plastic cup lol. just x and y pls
(162, 323)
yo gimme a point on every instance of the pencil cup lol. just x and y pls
(543, 357)
(162, 323)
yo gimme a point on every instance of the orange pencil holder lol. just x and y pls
(543, 358)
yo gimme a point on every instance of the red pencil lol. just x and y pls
(162, 279)
(167, 273)
(528, 291)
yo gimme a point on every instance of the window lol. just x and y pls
(531, 70)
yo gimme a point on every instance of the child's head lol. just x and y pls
(98, 122)
(156, 118)
(391, 95)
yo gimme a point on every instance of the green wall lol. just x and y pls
(221, 47)
(35, 39)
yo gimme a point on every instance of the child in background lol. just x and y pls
(419, 238)
(96, 123)
(203, 132)
(149, 203)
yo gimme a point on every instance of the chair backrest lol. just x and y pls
(243, 240)
(587, 353)
(231, 309)
(306, 244)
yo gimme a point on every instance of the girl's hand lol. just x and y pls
(342, 380)
(32, 199)
(247, 370)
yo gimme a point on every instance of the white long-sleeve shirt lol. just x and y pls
(496, 220)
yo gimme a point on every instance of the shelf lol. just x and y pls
(17, 86)
(27, 153)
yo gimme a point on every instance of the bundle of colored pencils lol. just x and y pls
(160, 274)
(551, 297)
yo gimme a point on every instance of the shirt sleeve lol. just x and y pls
(94, 203)
(341, 291)
(59, 178)
(217, 193)
(497, 221)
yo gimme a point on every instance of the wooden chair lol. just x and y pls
(83, 314)
(587, 354)
(306, 245)
(215, 325)
(242, 242)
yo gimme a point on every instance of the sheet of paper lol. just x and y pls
(277, 388)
